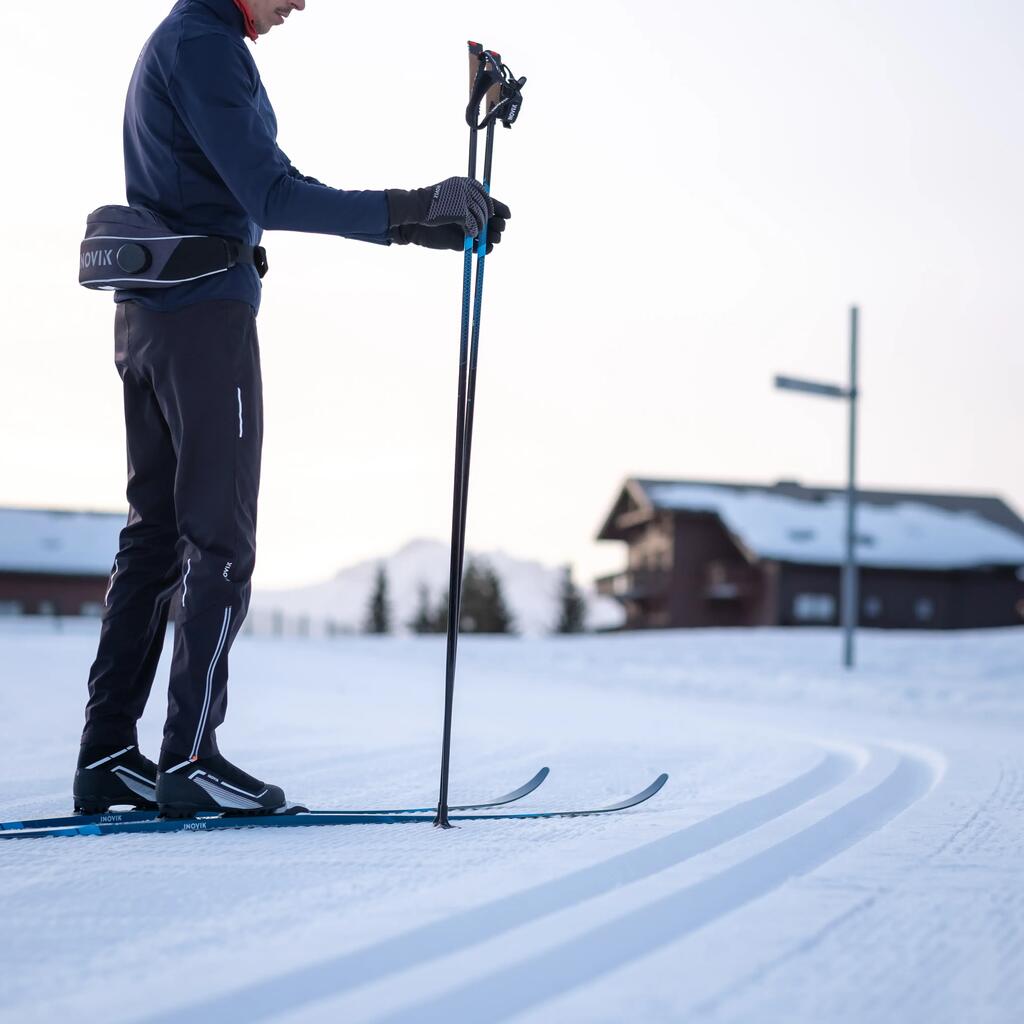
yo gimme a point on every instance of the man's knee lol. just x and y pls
(212, 576)
(147, 547)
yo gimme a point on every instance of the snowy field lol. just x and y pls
(829, 847)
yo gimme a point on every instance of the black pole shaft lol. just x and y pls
(474, 353)
(458, 515)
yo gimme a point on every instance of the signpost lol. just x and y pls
(850, 600)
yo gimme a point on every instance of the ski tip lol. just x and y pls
(654, 787)
(517, 794)
(540, 777)
(643, 796)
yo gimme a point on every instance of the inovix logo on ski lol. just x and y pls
(193, 826)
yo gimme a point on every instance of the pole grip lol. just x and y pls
(494, 93)
(485, 81)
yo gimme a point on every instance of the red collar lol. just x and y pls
(250, 25)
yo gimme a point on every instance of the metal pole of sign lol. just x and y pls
(850, 589)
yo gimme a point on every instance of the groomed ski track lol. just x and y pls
(830, 848)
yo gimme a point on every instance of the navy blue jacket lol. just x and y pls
(200, 149)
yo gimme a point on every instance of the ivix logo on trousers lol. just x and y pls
(97, 258)
(227, 571)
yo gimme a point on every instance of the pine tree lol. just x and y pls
(483, 603)
(423, 621)
(497, 618)
(573, 609)
(378, 608)
(474, 610)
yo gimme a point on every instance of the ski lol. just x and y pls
(132, 817)
(301, 818)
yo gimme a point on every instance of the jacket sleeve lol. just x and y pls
(296, 173)
(213, 88)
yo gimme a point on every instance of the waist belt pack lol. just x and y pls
(131, 247)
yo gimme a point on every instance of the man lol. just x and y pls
(201, 153)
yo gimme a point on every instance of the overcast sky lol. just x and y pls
(699, 192)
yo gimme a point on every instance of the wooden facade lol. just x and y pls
(686, 569)
(56, 562)
(51, 594)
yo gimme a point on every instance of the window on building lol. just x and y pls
(873, 607)
(91, 609)
(46, 608)
(11, 608)
(814, 608)
(924, 609)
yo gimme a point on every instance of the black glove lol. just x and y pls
(450, 236)
(459, 201)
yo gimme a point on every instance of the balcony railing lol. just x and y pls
(635, 584)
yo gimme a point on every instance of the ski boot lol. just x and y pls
(106, 778)
(186, 787)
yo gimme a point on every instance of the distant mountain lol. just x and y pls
(531, 591)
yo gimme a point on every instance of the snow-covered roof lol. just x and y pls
(810, 527)
(45, 541)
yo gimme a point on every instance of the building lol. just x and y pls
(56, 563)
(715, 554)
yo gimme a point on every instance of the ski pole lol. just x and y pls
(459, 486)
(487, 78)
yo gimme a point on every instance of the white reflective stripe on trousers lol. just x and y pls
(209, 679)
(106, 596)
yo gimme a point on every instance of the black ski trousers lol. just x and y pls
(194, 422)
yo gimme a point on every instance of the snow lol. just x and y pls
(531, 591)
(830, 846)
(46, 541)
(904, 535)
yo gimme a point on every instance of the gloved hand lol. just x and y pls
(450, 236)
(459, 201)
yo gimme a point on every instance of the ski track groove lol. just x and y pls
(334, 977)
(612, 944)
(605, 947)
